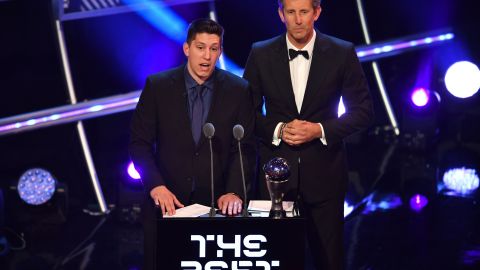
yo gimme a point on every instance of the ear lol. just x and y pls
(281, 14)
(186, 49)
(318, 10)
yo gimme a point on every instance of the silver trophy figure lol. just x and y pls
(277, 173)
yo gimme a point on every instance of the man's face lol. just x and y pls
(202, 54)
(299, 17)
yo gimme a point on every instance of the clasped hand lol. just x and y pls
(298, 132)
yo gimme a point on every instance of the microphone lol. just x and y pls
(238, 133)
(209, 131)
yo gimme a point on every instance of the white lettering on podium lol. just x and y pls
(251, 249)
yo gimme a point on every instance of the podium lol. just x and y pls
(236, 243)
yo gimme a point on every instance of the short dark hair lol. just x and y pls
(204, 26)
(315, 3)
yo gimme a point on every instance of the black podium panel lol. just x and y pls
(230, 243)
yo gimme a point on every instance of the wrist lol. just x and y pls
(234, 194)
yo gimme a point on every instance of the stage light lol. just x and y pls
(341, 107)
(420, 118)
(418, 202)
(132, 172)
(420, 97)
(36, 186)
(347, 208)
(461, 180)
(379, 201)
(462, 79)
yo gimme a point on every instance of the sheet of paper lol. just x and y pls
(194, 210)
(264, 205)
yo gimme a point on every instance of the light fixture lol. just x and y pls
(461, 181)
(341, 107)
(132, 172)
(36, 186)
(462, 79)
(418, 202)
(420, 97)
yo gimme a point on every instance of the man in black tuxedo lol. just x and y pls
(167, 145)
(300, 76)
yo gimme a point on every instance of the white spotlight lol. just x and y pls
(463, 79)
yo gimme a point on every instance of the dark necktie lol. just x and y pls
(294, 53)
(197, 113)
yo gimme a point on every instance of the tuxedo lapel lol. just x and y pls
(318, 69)
(281, 73)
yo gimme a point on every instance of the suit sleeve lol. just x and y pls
(357, 101)
(264, 127)
(246, 118)
(142, 138)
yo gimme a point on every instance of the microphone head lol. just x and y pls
(208, 130)
(238, 132)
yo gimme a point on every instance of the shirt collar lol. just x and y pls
(191, 83)
(308, 47)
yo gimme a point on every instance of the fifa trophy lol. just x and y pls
(277, 173)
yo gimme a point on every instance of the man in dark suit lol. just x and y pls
(300, 76)
(167, 145)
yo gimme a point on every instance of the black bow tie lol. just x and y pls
(294, 53)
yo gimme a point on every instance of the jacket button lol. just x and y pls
(189, 179)
(197, 154)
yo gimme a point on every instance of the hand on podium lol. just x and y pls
(165, 199)
(230, 204)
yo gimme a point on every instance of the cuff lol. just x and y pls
(275, 140)
(323, 139)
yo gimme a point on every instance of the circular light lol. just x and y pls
(461, 180)
(132, 172)
(36, 186)
(463, 79)
(420, 97)
(418, 202)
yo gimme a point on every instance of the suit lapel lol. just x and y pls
(317, 72)
(281, 73)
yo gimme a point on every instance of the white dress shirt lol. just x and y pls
(299, 70)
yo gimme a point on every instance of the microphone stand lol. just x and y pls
(212, 204)
(244, 210)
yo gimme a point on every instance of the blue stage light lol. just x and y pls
(163, 18)
(462, 79)
(379, 201)
(36, 186)
(461, 180)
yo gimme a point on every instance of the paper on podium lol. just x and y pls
(262, 207)
(194, 210)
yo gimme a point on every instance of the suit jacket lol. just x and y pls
(162, 147)
(335, 71)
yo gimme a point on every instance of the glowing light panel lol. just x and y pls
(36, 186)
(462, 180)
